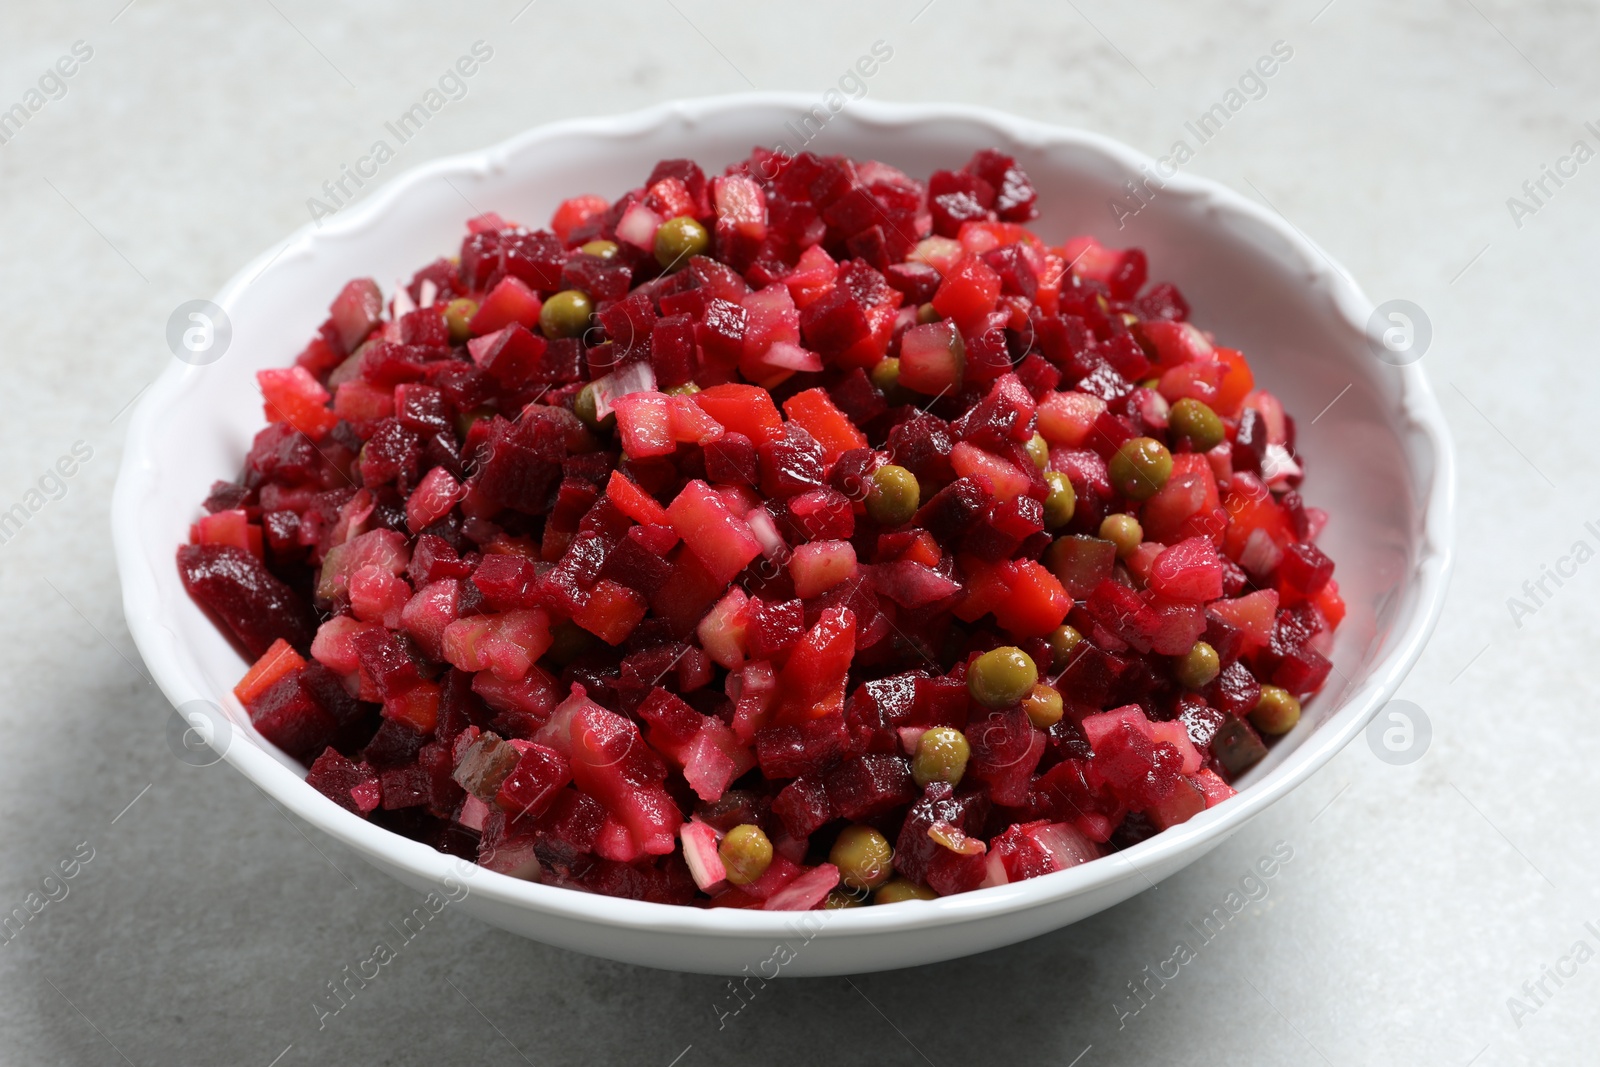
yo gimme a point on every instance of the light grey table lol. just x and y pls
(1419, 899)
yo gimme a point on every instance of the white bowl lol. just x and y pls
(1379, 459)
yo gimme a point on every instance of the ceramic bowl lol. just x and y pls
(1379, 460)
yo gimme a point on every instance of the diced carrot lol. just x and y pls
(816, 412)
(417, 707)
(744, 409)
(635, 503)
(276, 663)
(611, 612)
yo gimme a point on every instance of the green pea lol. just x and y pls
(1062, 501)
(601, 249)
(886, 374)
(1044, 706)
(1039, 451)
(1064, 641)
(566, 314)
(686, 389)
(941, 756)
(893, 496)
(927, 315)
(902, 889)
(1001, 677)
(678, 239)
(1195, 422)
(863, 856)
(1276, 712)
(746, 853)
(1122, 530)
(1140, 468)
(585, 406)
(1199, 666)
(458, 318)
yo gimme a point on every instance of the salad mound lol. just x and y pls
(805, 536)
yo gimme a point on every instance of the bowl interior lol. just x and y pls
(1374, 460)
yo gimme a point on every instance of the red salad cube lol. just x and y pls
(721, 540)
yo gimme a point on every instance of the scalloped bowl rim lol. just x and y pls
(171, 664)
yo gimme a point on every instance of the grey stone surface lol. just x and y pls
(1420, 897)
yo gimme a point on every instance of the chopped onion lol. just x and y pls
(401, 304)
(1066, 846)
(1261, 554)
(790, 356)
(766, 531)
(636, 377)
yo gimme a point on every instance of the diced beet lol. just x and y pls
(731, 460)
(954, 510)
(856, 396)
(1004, 416)
(1305, 568)
(1121, 611)
(805, 748)
(1201, 721)
(1140, 771)
(353, 786)
(917, 281)
(480, 257)
(511, 356)
(1302, 671)
(289, 716)
(922, 445)
(629, 324)
(281, 453)
(535, 258)
(774, 628)
(507, 581)
(1014, 194)
(237, 588)
(804, 806)
(868, 786)
(672, 350)
(1017, 276)
(955, 197)
(1235, 690)
(521, 464)
(791, 464)
(916, 853)
(1005, 750)
(823, 514)
(394, 745)
(533, 783)
(639, 564)
(1162, 301)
